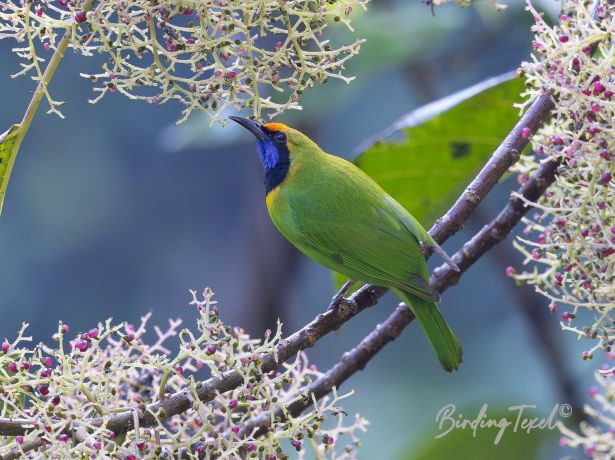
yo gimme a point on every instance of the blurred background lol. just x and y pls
(116, 211)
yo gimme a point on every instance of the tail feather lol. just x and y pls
(442, 339)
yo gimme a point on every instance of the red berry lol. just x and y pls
(80, 16)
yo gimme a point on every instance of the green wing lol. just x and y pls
(354, 227)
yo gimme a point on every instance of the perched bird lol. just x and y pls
(337, 215)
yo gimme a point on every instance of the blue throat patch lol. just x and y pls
(275, 158)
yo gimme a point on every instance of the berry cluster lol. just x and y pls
(208, 55)
(66, 397)
(570, 238)
(569, 241)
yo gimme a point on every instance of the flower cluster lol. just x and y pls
(60, 401)
(596, 436)
(569, 241)
(570, 238)
(208, 55)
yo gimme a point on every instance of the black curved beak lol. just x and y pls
(252, 126)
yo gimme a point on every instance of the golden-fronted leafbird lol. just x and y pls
(336, 214)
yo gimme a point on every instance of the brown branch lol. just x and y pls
(367, 296)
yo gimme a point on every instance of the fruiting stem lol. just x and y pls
(40, 91)
(33, 107)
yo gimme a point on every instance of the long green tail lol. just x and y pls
(440, 336)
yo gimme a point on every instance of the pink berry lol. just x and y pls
(605, 178)
(235, 429)
(510, 271)
(47, 362)
(5, 347)
(11, 367)
(250, 447)
(563, 441)
(592, 392)
(63, 437)
(19, 439)
(97, 445)
(43, 390)
(233, 403)
(80, 16)
(526, 132)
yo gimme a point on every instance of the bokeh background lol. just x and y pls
(116, 211)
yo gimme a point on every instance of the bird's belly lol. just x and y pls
(286, 219)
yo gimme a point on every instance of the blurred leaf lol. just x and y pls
(447, 143)
(7, 156)
(512, 445)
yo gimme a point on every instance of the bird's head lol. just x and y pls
(278, 147)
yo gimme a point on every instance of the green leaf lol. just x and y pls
(447, 142)
(7, 157)
(512, 445)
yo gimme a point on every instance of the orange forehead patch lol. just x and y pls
(275, 127)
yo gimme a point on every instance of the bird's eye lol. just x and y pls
(280, 137)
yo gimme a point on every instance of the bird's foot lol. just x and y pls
(341, 304)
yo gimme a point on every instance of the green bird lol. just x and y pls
(337, 215)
